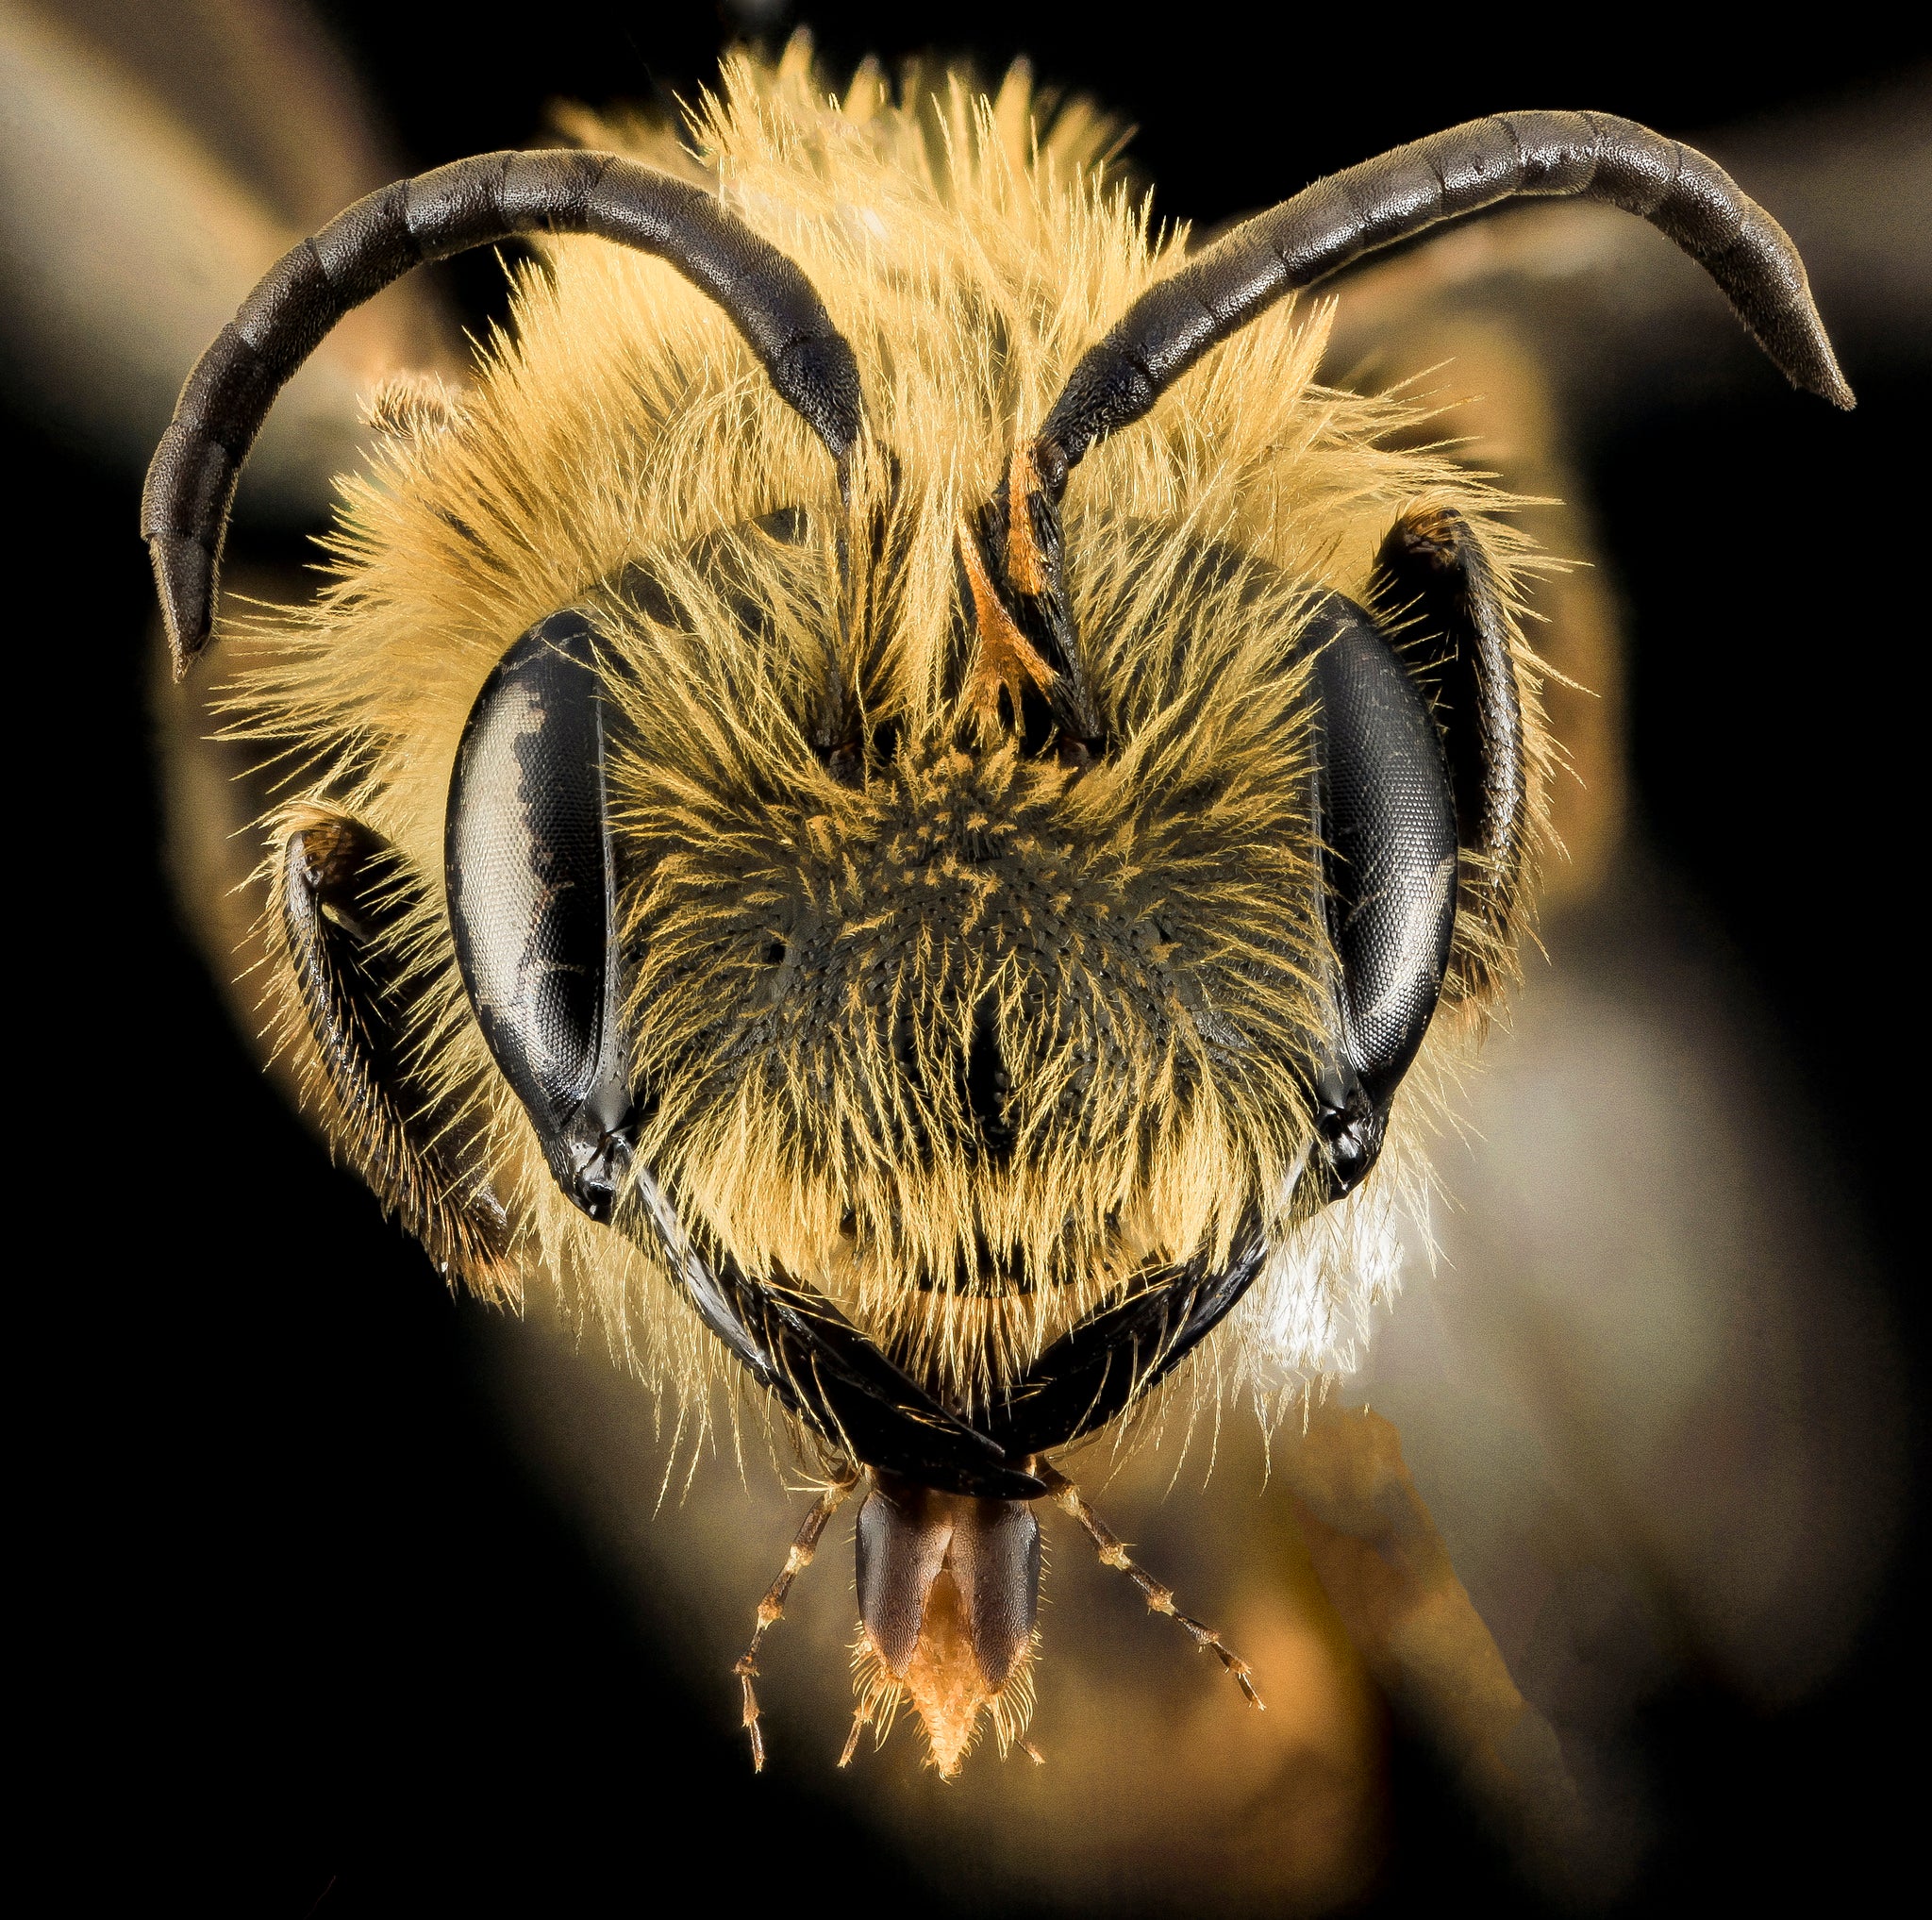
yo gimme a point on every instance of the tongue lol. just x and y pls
(948, 1588)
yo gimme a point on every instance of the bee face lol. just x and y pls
(976, 1020)
(935, 927)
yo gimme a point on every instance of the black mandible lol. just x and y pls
(1329, 226)
(478, 202)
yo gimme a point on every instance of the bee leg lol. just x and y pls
(1435, 591)
(343, 898)
(1113, 1553)
(772, 1608)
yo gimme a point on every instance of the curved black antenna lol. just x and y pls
(478, 202)
(1333, 222)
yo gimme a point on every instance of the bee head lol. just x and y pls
(958, 928)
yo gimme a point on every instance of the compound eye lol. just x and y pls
(1388, 830)
(532, 902)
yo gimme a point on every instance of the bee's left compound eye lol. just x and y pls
(532, 902)
(1387, 829)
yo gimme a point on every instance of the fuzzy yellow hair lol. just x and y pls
(808, 956)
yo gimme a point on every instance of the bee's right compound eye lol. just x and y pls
(532, 902)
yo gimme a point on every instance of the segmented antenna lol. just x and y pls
(471, 203)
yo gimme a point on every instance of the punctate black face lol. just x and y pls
(532, 889)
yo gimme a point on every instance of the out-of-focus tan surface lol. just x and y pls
(153, 162)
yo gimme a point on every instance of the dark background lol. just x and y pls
(315, 1637)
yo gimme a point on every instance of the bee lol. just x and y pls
(895, 799)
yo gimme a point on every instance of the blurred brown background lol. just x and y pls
(351, 1597)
